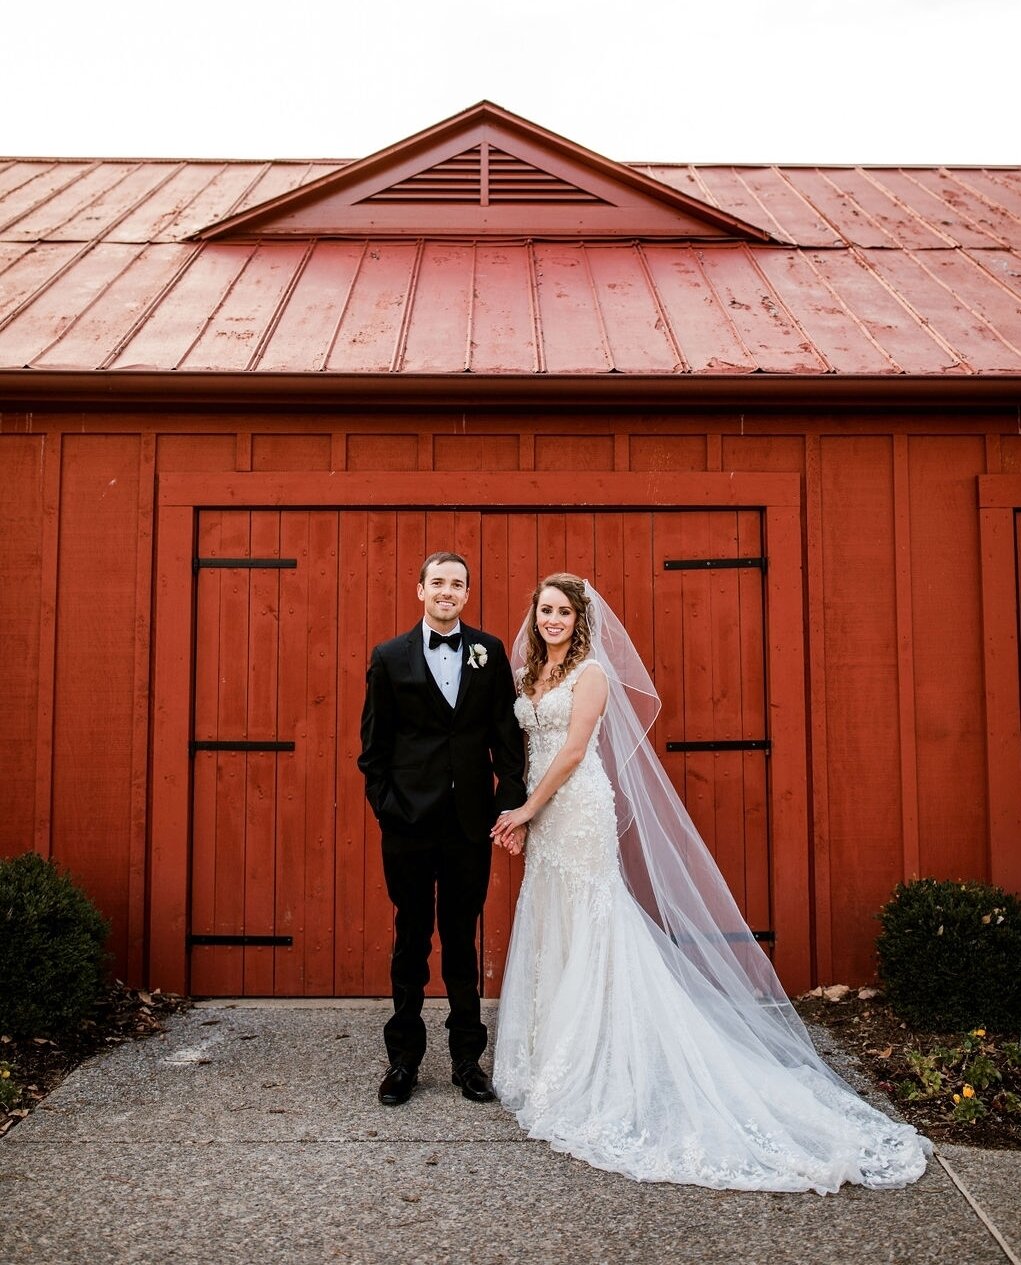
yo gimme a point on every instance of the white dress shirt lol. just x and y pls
(444, 663)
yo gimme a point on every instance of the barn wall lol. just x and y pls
(892, 611)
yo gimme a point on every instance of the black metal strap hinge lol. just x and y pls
(204, 744)
(712, 564)
(270, 941)
(724, 744)
(247, 564)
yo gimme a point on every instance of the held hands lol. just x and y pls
(511, 830)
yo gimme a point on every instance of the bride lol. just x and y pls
(641, 1028)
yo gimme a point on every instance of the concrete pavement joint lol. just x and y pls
(977, 1208)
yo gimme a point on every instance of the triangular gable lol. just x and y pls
(485, 172)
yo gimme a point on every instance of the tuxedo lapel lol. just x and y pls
(421, 673)
(467, 671)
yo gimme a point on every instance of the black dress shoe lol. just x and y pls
(397, 1084)
(474, 1083)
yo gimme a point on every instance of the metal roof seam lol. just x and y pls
(356, 273)
(923, 323)
(139, 202)
(867, 174)
(783, 233)
(1014, 347)
(55, 228)
(808, 203)
(271, 325)
(844, 193)
(173, 217)
(703, 187)
(697, 255)
(807, 343)
(87, 307)
(50, 281)
(401, 342)
(143, 317)
(956, 210)
(598, 307)
(953, 175)
(976, 257)
(16, 258)
(469, 345)
(859, 324)
(261, 174)
(682, 363)
(539, 350)
(27, 180)
(42, 201)
(217, 308)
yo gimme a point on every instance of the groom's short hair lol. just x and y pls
(445, 556)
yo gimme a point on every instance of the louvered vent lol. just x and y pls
(483, 176)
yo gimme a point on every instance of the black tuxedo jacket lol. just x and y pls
(416, 747)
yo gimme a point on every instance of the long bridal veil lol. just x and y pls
(691, 914)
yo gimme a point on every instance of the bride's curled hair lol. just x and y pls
(573, 588)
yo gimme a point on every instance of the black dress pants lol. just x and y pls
(436, 879)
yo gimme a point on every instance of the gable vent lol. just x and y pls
(483, 176)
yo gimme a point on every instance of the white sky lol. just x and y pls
(837, 81)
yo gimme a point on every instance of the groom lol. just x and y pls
(437, 725)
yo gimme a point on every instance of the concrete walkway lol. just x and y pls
(252, 1134)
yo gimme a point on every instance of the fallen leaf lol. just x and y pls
(411, 1199)
(836, 992)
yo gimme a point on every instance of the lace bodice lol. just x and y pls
(547, 721)
(575, 832)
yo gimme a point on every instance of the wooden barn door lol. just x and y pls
(710, 671)
(287, 892)
(689, 587)
(264, 825)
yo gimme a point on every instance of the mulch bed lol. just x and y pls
(38, 1065)
(896, 1059)
(921, 1072)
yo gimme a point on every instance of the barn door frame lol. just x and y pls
(999, 498)
(181, 496)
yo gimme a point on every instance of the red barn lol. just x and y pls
(774, 414)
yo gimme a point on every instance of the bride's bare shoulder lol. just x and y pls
(587, 664)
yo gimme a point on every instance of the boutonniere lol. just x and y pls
(478, 656)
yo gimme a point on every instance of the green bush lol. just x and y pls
(52, 954)
(950, 955)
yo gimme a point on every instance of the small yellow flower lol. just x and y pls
(957, 1098)
(968, 1092)
(5, 1074)
(977, 1032)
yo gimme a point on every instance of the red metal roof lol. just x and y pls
(893, 271)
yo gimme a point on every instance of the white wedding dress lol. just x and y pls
(603, 1053)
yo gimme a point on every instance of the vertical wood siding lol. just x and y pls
(21, 540)
(892, 606)
(94, 684)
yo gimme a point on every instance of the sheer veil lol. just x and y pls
(671, 874)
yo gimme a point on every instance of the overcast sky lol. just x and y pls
(827, 81)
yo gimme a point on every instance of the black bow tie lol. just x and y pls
(453, 640)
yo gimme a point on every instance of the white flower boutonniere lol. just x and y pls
(478, 656)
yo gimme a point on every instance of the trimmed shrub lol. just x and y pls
(52, 954)
(950, 955)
